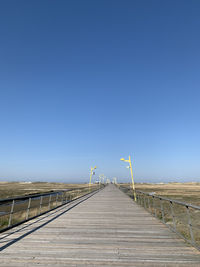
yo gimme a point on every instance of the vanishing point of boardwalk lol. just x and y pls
(106, 229)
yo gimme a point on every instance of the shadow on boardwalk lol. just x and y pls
(17, 233)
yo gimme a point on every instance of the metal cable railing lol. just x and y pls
(182, 218)
(14, 211)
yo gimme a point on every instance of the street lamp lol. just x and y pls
(91, 173)
(130, 167)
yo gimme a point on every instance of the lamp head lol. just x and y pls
(122, 159)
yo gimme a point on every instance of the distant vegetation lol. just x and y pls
(14, 189)
(186, 192)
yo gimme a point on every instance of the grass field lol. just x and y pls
(186, 192)
(14, 189)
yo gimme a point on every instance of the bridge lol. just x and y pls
(104, 228)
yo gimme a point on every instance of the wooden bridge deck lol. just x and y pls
(107, 229)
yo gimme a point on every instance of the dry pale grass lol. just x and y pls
(14, 189)
(186, 192)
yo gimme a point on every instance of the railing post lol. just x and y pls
(28, 208)
(162, 210)
(172, 213)
(70, 197)
(66, 199)
(143, 200)
(154, 206)
(62, 198)
(145, 203)
(190, 225)
(149, 206)
(49, 202)
(56, 199)
(139, 199)
(40, 209)
(11, 213)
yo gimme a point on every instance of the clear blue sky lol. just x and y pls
(89, 82)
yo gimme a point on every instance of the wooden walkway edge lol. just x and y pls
(107, 229)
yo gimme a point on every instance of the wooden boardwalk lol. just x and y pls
(107, 229)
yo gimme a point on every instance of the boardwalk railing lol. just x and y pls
(14, 211)
(180, 217)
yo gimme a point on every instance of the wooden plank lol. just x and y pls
(107, 229)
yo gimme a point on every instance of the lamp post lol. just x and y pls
(130, 167)
(91, 173)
